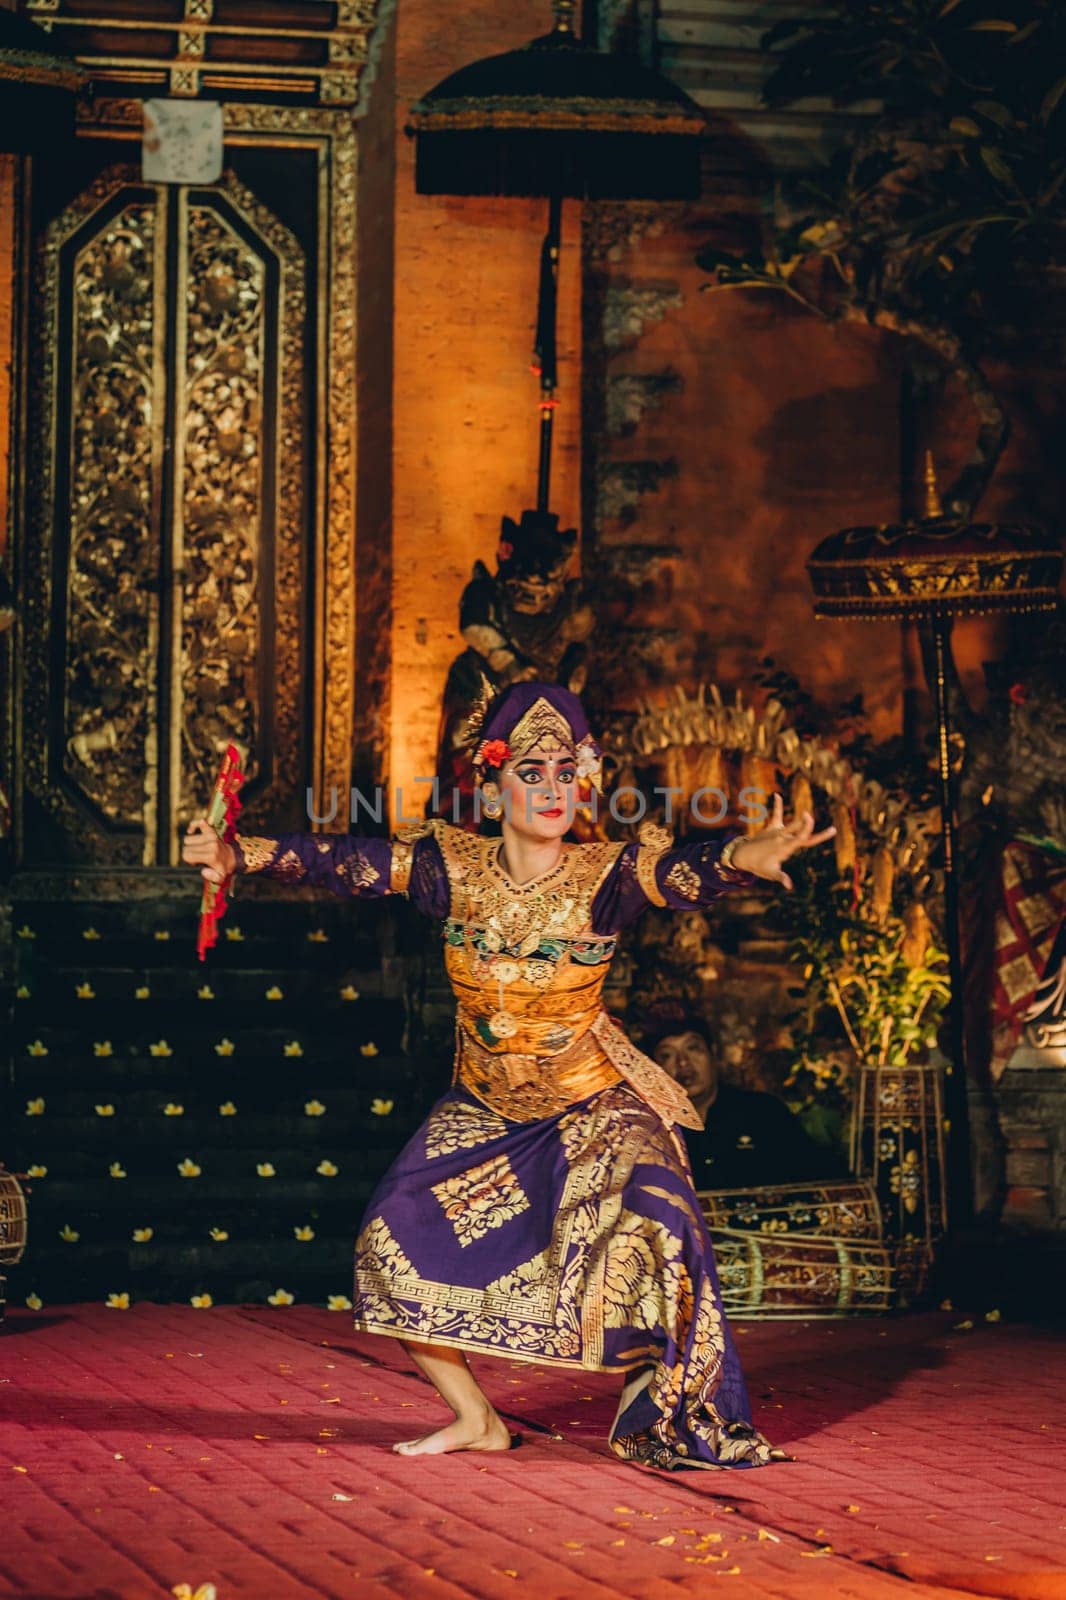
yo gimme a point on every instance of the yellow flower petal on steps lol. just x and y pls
(189, 1169)
(142, 1235)
(265, 1169)
(205, 992)
(318, 936)
(227, 1109)
(202, 1302)
(26, 932)
(274, 993)
(34, 1302)
(89, 933)
(103, 1047)
(104, 1111)
(162, 933)
(219, 1235)
(369, 1049)
(338, 1302)
(85, 991)
(294, 1048)
(327, 1169)
(381, 1108)
(281, 1297)
(314, 1108)
(349, 992)
(118, 1302)
(234, 935)
(117, 1170)
(160, 1048)
(304, 1233)
(142, 992)
(171, 1109)
(22, 992)
(37, 1048)
(35, 1108)
(36, 1172)
(225, 1047)
(71, 1235)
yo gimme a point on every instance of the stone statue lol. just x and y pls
(529, 620)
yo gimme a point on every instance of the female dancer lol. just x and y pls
(545, 1209)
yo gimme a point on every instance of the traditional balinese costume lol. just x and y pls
(545, 1209)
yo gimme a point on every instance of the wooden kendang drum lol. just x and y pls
(13, 1226)
(783, 1276)
(800, 1250)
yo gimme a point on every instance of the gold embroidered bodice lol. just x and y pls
(527, 971)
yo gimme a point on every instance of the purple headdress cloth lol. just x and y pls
(536, 716)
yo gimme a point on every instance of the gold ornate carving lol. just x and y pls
(101, 532)
(261, 54)
(331, 135)
(235, 379)
(227, 377)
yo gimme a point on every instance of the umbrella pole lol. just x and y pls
(959, 1190)
(545, 349)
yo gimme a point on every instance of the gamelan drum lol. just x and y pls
(768, 1275)
(838, 1210)
(13, 1219)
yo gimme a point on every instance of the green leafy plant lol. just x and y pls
(875, 984)
(931, 216)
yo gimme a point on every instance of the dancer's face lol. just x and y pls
(539, 792)
(686, 1058)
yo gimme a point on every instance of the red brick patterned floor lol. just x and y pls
(145, 1449)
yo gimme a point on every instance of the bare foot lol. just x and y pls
(487, 1432)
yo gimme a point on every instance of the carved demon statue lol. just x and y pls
(528, 620)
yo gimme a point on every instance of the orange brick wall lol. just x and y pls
(465, 419)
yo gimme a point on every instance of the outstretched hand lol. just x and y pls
(766, 851)
(203, 848)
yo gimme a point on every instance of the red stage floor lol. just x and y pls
(161, 1446)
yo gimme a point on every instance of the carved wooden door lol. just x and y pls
(166, 523)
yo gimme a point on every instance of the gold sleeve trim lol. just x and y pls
(403, 858)
(653, 845)
(256, 851)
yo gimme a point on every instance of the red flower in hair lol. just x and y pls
(495, 752)
(504, 550)
(1019, 694)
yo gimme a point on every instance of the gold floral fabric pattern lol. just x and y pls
(683, 880)
(461, 1125)
(481, 1198)
(572, 1240)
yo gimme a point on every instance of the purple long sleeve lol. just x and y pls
(682, 878)
(351, 866)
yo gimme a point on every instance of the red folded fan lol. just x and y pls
(222, 814)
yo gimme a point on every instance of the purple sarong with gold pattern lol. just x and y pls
(545, 1209)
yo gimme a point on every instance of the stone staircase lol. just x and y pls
(216, 1128)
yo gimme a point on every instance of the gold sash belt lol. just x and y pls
(523, 1088)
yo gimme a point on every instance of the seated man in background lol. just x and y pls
(749, 1138)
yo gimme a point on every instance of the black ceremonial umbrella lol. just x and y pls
(560, 119)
